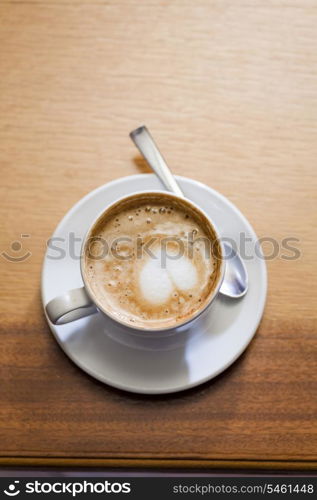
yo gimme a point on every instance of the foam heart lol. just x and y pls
(161, 275)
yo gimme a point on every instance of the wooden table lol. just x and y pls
(229, 89)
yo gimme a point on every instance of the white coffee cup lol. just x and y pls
(81, 302)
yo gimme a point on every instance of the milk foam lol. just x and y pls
(160, 287)
(157, 281)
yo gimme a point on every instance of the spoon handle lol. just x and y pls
(149, 150)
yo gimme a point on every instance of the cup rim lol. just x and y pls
(197, 313)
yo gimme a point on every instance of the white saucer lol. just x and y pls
(218, 340)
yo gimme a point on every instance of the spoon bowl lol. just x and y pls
(235, 283)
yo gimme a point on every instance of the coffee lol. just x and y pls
(152, 261)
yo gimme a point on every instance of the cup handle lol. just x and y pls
(70, 306)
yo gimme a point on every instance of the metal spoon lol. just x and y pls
(235, 283)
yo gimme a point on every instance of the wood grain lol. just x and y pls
(229, 90)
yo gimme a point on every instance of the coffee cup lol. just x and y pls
(151, 262)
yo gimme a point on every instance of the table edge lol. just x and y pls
(148, 463)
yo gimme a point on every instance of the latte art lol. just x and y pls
(158, 283)
(152, 262)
